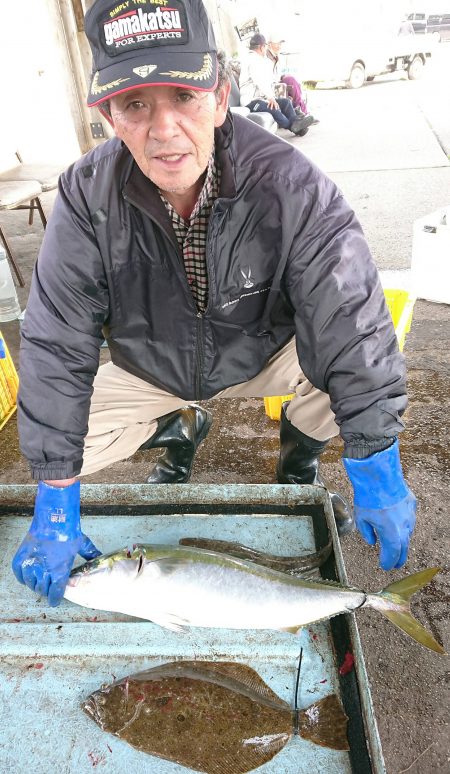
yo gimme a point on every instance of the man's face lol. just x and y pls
(275, 48)
(169, 131)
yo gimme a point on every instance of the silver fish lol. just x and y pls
(177, 586)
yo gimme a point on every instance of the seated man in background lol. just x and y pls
(293, 87)
(258, 94)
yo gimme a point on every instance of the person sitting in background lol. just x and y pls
(293, 86)
(258, 94)
(406, 28)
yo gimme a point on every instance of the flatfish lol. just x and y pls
(213, 717)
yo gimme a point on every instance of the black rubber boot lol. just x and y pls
(301, 124)
(180, 433)
(299, 464)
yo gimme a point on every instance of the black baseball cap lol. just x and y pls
(139, 43)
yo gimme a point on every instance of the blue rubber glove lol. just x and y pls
(46, 555)
(385, 508)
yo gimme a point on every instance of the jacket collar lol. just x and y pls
(224, 139)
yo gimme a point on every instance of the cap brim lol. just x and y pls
(190, 71)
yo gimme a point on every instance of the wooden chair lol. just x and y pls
(20, 195)
(20, 188)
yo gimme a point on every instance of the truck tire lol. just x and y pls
(415, 68)
(357, 76)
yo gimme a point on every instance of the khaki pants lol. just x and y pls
(125, 409)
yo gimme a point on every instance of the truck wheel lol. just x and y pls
(357, 76)
(415, 68)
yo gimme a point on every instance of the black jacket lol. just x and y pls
(285, 256)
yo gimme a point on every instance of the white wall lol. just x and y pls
(36, 115)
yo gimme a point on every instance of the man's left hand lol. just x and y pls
(385, 507)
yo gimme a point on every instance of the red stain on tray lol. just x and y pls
(39, 665)
(96, 759)
(347, 664)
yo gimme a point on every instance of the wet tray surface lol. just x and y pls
(53, 658)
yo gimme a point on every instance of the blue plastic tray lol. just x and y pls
(52, 658)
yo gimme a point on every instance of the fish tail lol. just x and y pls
(325, 723)
(393, 603)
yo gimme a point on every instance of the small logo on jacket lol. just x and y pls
(247, 277)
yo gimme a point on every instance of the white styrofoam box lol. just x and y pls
(395, 278)
(430, 261)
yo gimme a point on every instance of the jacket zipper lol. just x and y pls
(199, 357)
(199, 315)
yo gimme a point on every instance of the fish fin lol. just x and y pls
(325, 723)
(168, 564)
(408, 624)
(397, 610)
(245, 675)
(412, 583)
(169, 621)
(251, 753)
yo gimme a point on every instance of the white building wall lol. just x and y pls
(37, 120)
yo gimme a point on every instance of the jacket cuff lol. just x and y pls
(54, 471)
(362, 449)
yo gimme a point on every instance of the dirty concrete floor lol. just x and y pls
(409, 684)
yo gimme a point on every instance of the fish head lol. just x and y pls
(114, 706)
(97, 582)
(145, 698)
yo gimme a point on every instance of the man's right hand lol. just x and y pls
(45, 557)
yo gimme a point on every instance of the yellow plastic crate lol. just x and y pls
(9, 384)
(274, 403)
(400, 304)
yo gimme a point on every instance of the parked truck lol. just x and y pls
(358, 60)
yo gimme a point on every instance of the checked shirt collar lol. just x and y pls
(191, 234)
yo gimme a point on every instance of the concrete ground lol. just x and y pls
(387, 147)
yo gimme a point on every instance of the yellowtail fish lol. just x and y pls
(177, 586)
(293, 565)
(214, 717)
